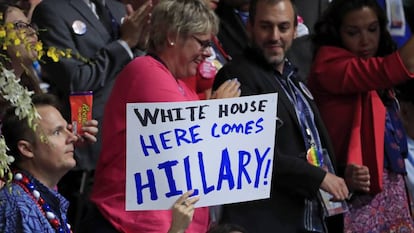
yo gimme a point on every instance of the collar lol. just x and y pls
(52, 195)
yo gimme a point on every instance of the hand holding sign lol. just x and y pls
(183, 211)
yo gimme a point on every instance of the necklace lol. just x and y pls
(24, 182)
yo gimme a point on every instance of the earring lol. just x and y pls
(172, 43)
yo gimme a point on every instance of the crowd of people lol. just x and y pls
(342, 69)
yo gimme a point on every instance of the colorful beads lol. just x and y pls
(36, 194)
(55, 222)
(30, 188)
(50, 215)
(18, 176)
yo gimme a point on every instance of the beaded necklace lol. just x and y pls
(28, 186)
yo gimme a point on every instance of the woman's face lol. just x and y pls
(25, 32)
(190, 52)
(212, 3)
(360, 32)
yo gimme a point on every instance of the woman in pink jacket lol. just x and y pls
(179, 40)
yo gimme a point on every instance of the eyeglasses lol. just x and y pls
(19, 25)
(203, 43)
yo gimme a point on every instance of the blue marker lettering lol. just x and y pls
(203, 174)
(194, 135)
(225, 171)
(151, 185)
(167, 166)
(213, 130)
(188, 175)
(260, 160)
(242, 168)
(164, 140)
(259, 125)
(152, 145)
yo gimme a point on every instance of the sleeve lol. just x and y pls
(228, 72)
(77, 73)
(297, 176)
(336, 70)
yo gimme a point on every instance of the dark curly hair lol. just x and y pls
(253, 8)
(327, 28)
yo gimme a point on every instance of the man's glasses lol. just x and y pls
(203, 43)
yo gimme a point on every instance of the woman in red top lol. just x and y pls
(354, 70)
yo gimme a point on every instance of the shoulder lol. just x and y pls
(18, 211)
(114, 3)
(243, 67)
(240, 62)
(145, 66)
(332, 52)
(47, 9)
(55, 4)
(13, 199)
(143, 74)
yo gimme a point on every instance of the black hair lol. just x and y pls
(327, 28)
(253, 9)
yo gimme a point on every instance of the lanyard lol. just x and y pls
(221, 49)
(308, 128)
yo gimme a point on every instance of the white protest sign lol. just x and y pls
(222, 149)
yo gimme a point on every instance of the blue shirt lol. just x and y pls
(20, 213)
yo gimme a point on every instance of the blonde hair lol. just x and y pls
(182, 18)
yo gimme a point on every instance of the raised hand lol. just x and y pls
(136, 24)
(90, 129)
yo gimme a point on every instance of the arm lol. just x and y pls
(407, 54)
(338, 71)
(102, 57)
